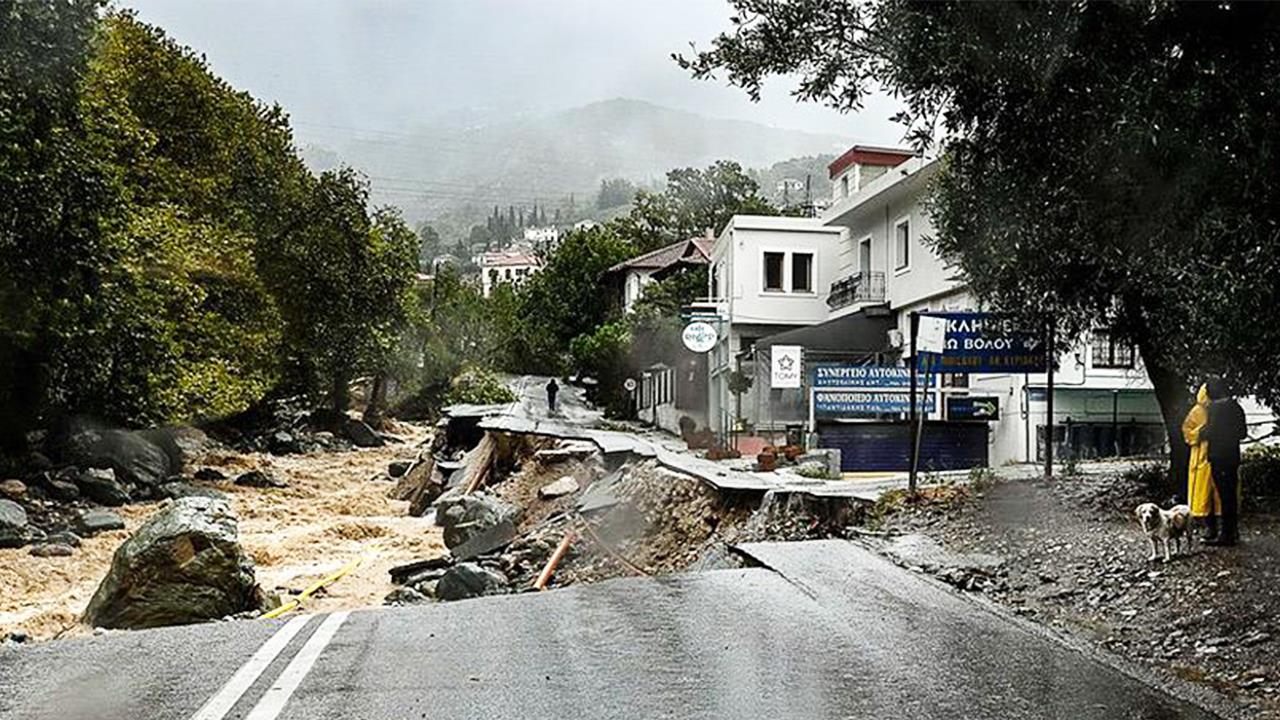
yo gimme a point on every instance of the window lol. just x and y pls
(802, 272)
(864, 255)
(715, 282)
(902, 244)
(773, 272)
(1108, 352)
(844, 186)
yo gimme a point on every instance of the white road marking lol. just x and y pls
(218, 705)
(273, 701)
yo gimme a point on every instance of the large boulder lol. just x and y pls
(466, 516)
(468, 580)
(141, 458)
(14, 528)
(361, 434)
(184, 565)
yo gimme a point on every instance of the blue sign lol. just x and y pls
(986, 343)
(836, 375)
(971, 407)
(868, 403)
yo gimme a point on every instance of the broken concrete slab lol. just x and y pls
(470, 580)
(491, 539)
(401, 573)
(916, 550)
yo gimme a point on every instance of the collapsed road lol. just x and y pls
(821, 629)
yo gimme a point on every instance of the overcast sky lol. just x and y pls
(397, 64)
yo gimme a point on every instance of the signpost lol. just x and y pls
(973, 407)
(978, 343)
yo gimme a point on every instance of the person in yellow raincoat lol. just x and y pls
(1202, 494)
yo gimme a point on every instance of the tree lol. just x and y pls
(1109, 164)
(615, 192)
(562, 300)
(693, 201)
(430, 245)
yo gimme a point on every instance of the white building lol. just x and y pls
(513, 265)
(631, 277)
(844, 287)
(542, 238)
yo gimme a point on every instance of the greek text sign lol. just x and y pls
(987, 343)
(831, 375)
(868, 403)
(699, 336)
(972, 407)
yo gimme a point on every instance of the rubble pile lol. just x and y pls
(521, 512)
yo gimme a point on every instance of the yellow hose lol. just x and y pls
(297, 602)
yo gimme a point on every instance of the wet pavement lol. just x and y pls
(825, 630)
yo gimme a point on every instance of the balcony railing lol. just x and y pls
(863, 287)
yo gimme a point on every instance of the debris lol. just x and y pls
(400, 574)
(52, 550)
(398, 468)
(468, 580)
(13, 489)
(405, 596)
(493, 538)
(477, 465)
(466, 516)
(100, 486)
(361, 434)
(175, 490)
(562, 549)
(564, 486)
(14, 526)
(92, 522)
(184, 564)
(259, 479)
(208, 474)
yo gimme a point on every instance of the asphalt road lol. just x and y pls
(571, 404)
(828, 630)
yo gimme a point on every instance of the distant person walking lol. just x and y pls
(553, 389)
(1224, 431)
(1202, 495)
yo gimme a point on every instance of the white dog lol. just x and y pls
(1165, 526)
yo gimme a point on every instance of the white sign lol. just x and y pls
(629, 384)
(931, 336)
(699, 336)
(786, 366)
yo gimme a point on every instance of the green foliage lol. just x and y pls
(604, 354)
(669, 295)
(615, 192)
(164, 253)
(1260, 471)
(693, 201)
(477, 386)
(739, 382)
(565, 298)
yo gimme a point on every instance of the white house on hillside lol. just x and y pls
(513, 265)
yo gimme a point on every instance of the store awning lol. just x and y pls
(866, 331)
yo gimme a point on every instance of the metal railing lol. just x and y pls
(862, 287)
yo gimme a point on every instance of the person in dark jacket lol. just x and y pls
(553, 389)
(1224, 431)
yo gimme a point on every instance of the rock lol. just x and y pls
(138, 458)
(564, 486)
(258, 479)
(405, 596)
(282, 442)
(14, 527)
(184, 564)
(468, 580)
(397, 468)
(17, 637)
(466, 516)
(208, 474)
(59, 487)
(47, 549)
(361, 434)
(92, 522)
(175, 490)
(13, 489)
(100, 486)
(65, 537)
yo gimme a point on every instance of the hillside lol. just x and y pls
(455, 175)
